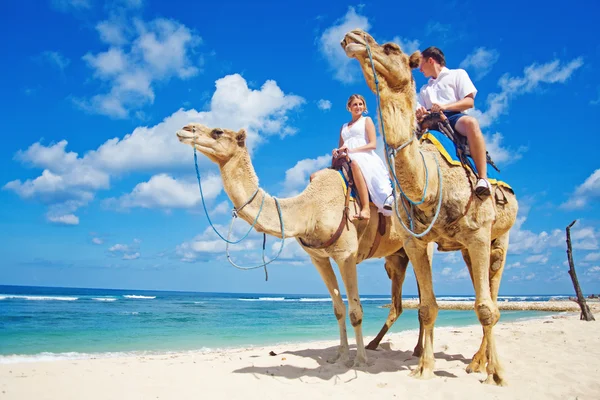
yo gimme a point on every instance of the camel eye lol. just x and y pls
(216, 133)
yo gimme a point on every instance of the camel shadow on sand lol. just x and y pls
(384, 359)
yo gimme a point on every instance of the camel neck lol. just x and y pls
(240, 183)
(398, 119)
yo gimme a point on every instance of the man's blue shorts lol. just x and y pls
(453, 117)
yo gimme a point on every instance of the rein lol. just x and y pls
(234, 215)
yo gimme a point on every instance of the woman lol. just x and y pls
(358, 140)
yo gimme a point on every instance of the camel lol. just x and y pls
(479, 228)
(311, 217)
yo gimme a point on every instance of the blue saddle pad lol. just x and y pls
(447, 149)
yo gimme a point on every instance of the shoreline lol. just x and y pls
(551, 305)
(555, 357)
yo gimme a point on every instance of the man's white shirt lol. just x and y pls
(450, 86)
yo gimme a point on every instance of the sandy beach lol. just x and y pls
(551, 358)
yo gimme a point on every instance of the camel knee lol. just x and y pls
(340, 312)
(487, 315)
(497, 257)
(428, 314)
(356, 317)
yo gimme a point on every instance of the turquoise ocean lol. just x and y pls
(44, 323)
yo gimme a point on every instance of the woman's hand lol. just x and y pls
(343, 150)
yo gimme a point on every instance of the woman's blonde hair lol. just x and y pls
(356, 97)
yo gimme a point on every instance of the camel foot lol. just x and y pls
(422, 372)
(495, 379)
(360, 363)
(339, 357)
(476, 365)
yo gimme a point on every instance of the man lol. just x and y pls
(451, 91)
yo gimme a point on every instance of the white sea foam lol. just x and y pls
(138, 296)
(48, 357)
(104, 298)
(39, 298)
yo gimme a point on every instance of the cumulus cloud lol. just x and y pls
(480, 61)
(65, 219)
(324, 105)
(533, 77)
(297, 177)
(502, 155)
(140, 54)
(537, 259)
(585, 193)
(69, 181)
(592, 257)
(344, 70)
(126, 251)
(97, 241)
(208, 243)
(163, 191)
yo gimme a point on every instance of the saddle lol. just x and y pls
(342, 163)
(439, 122)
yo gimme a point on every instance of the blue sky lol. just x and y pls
(98, 192)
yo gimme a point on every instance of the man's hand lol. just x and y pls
(421, 113)
(436, 108)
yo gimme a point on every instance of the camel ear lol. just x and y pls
(241, 138)
(415, 59)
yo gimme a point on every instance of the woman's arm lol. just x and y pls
(340, 144)
(369, 136)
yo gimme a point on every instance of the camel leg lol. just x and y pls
(347, 266)
(339, 309)
(485, 307)
(479, 360)
(395, 266)
(498, 253)
(418, 350)
(428, 308)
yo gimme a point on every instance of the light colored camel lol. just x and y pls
(481, 234)
(313, 216)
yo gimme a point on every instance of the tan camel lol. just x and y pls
(479, 229)
(312, 216)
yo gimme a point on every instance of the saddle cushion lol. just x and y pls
(447, 149)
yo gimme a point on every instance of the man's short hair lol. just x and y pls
(436, 54)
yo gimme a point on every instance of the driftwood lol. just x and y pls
(586, 314)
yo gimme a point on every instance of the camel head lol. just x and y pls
(393, 67)
(219, 145)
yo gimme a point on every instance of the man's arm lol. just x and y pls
(459, 106)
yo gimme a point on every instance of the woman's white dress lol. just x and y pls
(372, 167)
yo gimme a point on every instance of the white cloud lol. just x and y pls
(208, 243)
(140, 55)
(522, 277)
(297, 177)
(408, 46)
(447, 271)
(537, 259)
(68, 5)
(126, 251)
(595, 269)
(163, 191)
(515, 265)
(97, 241)
(132, 256)
(502, 155)
(463, 274)
(69, 181)
(343, 68)
(480, 61)
(592, 257)
(56, 59)
(585, 193)
(533, 76)
(65, 219)
(324, 105)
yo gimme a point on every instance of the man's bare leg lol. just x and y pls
(469, 127)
